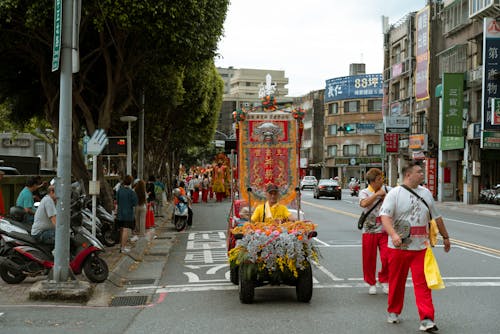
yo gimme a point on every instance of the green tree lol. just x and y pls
(126, 47)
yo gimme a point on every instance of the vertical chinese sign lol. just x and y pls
(491, 64)
(391, 142)
(422, 53)
(431, 180)
(451, 119)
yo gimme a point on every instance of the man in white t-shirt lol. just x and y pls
(44, 225)
(405, 218)
(374, 237)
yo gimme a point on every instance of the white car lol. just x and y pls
(308, 182)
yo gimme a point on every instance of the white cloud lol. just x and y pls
(310, 40)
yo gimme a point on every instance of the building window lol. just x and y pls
(39, 148)
(374, 105)
(374, 149)
(333, 108)
(453, 60)
(351, 106)
(420, 122)
(455, 16)
(476, 6)
(332, 129)
(332, 151)
(395, 91)
(350, 150)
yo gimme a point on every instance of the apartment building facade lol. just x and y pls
(353, 125)
(439, 81)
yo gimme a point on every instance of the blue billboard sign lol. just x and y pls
(354, 87)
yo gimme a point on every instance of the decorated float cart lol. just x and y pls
(260, 253)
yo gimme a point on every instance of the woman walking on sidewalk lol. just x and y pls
(140, 209)
(126, 200)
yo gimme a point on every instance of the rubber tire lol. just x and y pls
(12, 277)
(246, 287)
(95, 268)
(234, 276)
(304, 287)
(109, 238)
(180, 223)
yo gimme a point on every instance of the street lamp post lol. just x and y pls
(129, 120)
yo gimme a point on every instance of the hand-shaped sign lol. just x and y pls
(97, 142)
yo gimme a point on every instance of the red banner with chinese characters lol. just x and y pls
(391, 142)
(431, 175)
(268, 154)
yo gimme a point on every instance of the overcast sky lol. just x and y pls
(311, 40)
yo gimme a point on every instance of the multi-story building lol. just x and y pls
(410, 109)
(241, 90)
(311, 150)
(437, 97)
(353, 125)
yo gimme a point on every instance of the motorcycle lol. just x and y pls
(26, 257)
(23, 256)
(181, 211)
(354, 187)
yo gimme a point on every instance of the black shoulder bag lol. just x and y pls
(364, 215)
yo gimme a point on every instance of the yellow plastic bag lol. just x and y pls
(431, 270)
(433, 232)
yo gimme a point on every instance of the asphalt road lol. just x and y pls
(190, 291)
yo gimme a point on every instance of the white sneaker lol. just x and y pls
(134, 238)
(427, 325)
(125, 250)
(372, 290)
(385, 288)
(393, 318)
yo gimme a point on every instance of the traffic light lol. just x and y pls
(348, 128)
(116, 146)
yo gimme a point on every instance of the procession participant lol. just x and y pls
(271, 209)
(374, 236)
(403, 209)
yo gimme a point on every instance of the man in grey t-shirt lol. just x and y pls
(44, 226)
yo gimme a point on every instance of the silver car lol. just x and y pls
(308, 182)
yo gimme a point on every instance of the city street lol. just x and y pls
(183, 279)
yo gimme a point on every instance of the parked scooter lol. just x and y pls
(26, 257)
(181, 210)
(22, 256)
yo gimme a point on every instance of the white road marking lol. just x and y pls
(218, 285)
(328, 273)
(473, 224)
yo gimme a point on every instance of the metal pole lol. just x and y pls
(129, 148)
(140, 149)
(60, 271)
(94, 197)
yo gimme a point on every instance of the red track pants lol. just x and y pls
(204, 195)
(400, 261)
(370, 243)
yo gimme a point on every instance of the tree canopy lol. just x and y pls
(164, 48)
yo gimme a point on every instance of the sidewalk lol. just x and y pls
(122, 269)
(481, 209)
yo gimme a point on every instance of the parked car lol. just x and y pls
(9, 170)
(328, 188)
(308, 182)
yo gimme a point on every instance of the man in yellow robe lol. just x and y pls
(271, 209)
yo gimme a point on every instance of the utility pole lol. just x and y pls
(61, 272)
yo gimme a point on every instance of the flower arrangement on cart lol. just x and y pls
(274, 253)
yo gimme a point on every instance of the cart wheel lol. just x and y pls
(304, 286)
(233, 275)
(246, 287)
